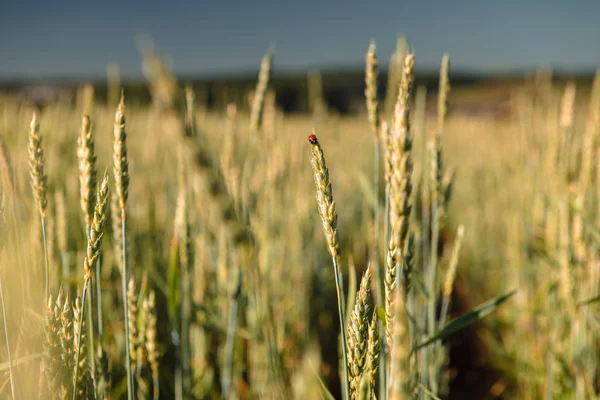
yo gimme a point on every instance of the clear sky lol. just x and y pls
(45, 38)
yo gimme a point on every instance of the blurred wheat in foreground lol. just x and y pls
(206, 268)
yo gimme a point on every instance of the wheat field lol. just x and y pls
(179, 251)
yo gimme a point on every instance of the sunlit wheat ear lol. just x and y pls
(55, 333)
(261, 88)
(372, 358)
(39, 180)
(567, 107)
(121, 173)
(400, 350)
(151, 342)
(117, 229)
(393, 255)
(451, 274)
(439, 191)
(371, 76)
(132, 310)
(39, 184)
(328, 215)
(94, 244)
(96, 229)
(120, 160)
(443, 92)
(325, 201)
(87, 169)
(400, 187)
(67, 339)
(401, 159)
(141, 320)
(82, 380)
(190, 111)
(358, 328)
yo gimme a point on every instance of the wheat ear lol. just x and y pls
(151, 348)
(258, 100)
(329, 220)
(358, 334)
(39, 184)
(121, 173)
(92, 253)
(400, 187)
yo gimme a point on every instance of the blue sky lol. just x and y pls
(41, 38)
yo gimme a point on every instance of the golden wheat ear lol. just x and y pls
(328, 214)
(87, 169)
(258, 100)
(358, 333)
(371, 76)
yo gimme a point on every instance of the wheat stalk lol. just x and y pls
(39, 185)
(4, 320)
(92, 253)
(121, 173)
(62, 236)
(329, 220)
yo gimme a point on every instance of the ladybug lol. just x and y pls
(312, 139)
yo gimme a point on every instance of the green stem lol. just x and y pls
(82, 317)
(382, 339)
(99, 300)
(185, 326)
(125, 279)
(339, 287)
(444, 313)
(10, 368)
(431, 288)
(425, 236)
(47, 270)
(376, 217)
(90, 322)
